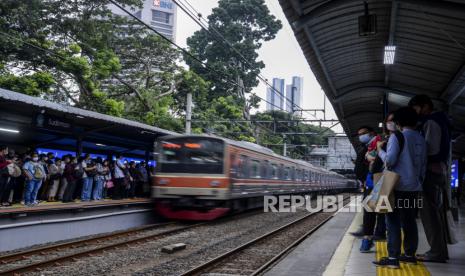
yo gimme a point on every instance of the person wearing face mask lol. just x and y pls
(405, 155)
(35, 174)
(371, 221)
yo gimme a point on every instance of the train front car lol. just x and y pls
(191, 180)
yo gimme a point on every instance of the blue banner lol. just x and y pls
(454, 174)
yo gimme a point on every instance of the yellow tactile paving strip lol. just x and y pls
(405, 269)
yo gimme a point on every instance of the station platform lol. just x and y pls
(56, 221)
(49, 207)
(333, 251)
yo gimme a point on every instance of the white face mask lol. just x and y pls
(35, 159)
(391, 126)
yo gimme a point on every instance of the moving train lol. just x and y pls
(202, 177)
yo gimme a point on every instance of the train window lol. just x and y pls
(287, 173)
(292, 173)
(281, 171)
(242, 168)
(298, 175)
(255, 169)
(306, 176)
(274, 171)
(191, 155)
(264, 170)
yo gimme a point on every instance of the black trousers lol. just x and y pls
(3, 187)
(119, 188)
(373, 223)
(68, 195)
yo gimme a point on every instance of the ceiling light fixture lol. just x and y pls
(9, 130)
(389, 54)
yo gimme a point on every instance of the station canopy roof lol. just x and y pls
(429, 40)
(46, 124)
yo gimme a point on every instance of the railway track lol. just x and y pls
(37, 258)
(256, 256)
(57, 254)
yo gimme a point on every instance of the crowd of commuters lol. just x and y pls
(416, 146)
(31, 178)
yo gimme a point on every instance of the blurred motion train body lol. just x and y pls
(203, 177)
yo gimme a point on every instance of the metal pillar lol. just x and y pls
(188, 113)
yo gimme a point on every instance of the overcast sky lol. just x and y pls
(282, 56)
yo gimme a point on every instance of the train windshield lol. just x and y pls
(191, 155)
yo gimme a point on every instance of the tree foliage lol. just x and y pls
(245, 24)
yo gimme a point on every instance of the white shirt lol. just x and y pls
(118, 171)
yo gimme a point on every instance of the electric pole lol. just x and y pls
(188, 113)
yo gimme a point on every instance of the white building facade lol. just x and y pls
(337, 155)
(160, 14)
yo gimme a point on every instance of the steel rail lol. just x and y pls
(5, 259)
(213, 262)
(90, 252)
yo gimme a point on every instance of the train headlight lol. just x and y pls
(215, 183)
(163, 181)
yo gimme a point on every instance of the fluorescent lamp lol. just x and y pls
(100, 145)
(9, 130)
(389, 54)
(380, 125)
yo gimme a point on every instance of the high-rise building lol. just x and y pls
(275, 97)
(294, 94)
(160, 14)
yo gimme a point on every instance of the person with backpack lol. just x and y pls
(35, 175)
(405, 155)
(436, 128)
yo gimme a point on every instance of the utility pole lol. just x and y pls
(188, 113)
(284, 145)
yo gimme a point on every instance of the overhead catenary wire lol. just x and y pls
(192, 15)
(204, 65)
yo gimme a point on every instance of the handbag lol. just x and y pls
(384, 188)
(109, 184)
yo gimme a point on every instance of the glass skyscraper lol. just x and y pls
(293, 94)
(275, 97)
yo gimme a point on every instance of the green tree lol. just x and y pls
(245, 24)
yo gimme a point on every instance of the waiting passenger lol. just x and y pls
(72, 174)
(405, 155)
(35, 175)
(99, 179)
(88, 177)
(3, 171)
(370, 138)
(119, 177)
(63, 180)
(55, 171)
(435, 127)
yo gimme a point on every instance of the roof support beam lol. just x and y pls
(392, 33)
(452, 91)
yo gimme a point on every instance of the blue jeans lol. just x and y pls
(98, 188)
(32, 188)
(86, 188)
(403, 217)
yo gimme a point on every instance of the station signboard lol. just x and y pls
(51, 122)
